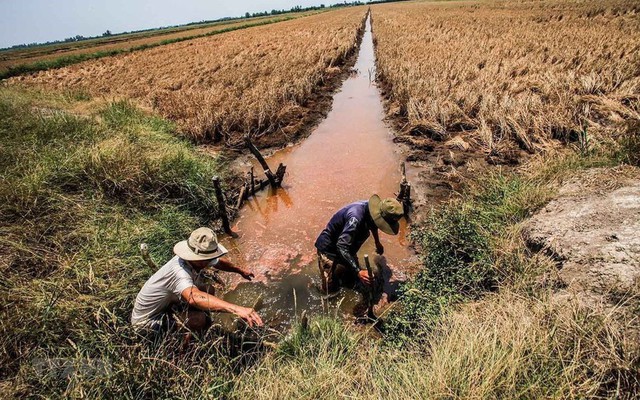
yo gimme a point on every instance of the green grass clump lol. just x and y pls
(78, 194)
(459, 241)
(325, 338)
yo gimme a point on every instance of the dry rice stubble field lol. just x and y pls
(256, 81)
(122, 42)
(507, 78)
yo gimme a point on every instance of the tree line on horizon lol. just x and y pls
(107, 33)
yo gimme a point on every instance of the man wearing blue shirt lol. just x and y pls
(346, 232)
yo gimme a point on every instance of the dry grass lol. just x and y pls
(11, 58)
(507, 346)
(251, 81)
(506, 72)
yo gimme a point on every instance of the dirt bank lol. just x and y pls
(445, 162)
(298, 121)
(591, 230)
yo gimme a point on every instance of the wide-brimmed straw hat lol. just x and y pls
(386, 214)
(201, 245)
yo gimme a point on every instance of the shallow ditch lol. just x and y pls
(348, 157)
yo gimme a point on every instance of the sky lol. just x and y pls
(28, 21)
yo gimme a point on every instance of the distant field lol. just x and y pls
(221, 87)
(506, 73)
(16, 57)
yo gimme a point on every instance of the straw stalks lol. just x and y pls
(510, 74)
(255, 81)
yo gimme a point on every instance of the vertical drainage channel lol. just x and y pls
(348, 157)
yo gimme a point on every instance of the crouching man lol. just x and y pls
(346, 232)
(174, 289)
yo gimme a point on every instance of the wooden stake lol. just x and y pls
(404, 195)
(304, 321)
(222, 208)
(243, 191)
(370, 313)
(267, 171)
(282, 169)
(253, 183)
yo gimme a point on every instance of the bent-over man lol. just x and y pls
(174, 288)
(346, 232)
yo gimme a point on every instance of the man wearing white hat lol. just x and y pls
(175, 286)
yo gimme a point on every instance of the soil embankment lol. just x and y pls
(591, 230)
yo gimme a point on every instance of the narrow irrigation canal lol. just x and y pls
(348, 157)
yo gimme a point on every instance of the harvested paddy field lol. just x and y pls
(256, 81)
(15, 62)
(99, 158)
(508, 77)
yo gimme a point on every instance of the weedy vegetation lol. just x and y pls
(78, 195)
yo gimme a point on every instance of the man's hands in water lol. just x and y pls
(247, 275)
(248, 314)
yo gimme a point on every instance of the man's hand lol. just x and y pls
(364, 277)
(248, 314)
(247, 275)
(206, 302)
(379, 248)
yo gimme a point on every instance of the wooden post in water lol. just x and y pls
(267, 171)
(404, 195)
(370, 313)
(222, 208)
(243, 191)
(282, 169)
(253, 183)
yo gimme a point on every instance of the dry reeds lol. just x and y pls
(505, 72)
(504, 347)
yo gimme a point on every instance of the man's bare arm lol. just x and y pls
(206, 302)
(228, 266)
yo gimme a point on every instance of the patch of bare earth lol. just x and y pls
(592, 230)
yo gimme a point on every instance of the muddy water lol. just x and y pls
(348, 157)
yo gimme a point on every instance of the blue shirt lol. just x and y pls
(347, 230)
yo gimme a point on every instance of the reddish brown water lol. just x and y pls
(348, 157)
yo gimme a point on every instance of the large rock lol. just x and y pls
(592, 229)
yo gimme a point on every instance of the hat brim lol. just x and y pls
(388, 227)
(182, 250)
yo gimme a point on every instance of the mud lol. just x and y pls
(348, 157)
(591, 231)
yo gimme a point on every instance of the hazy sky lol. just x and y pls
(27, 21)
